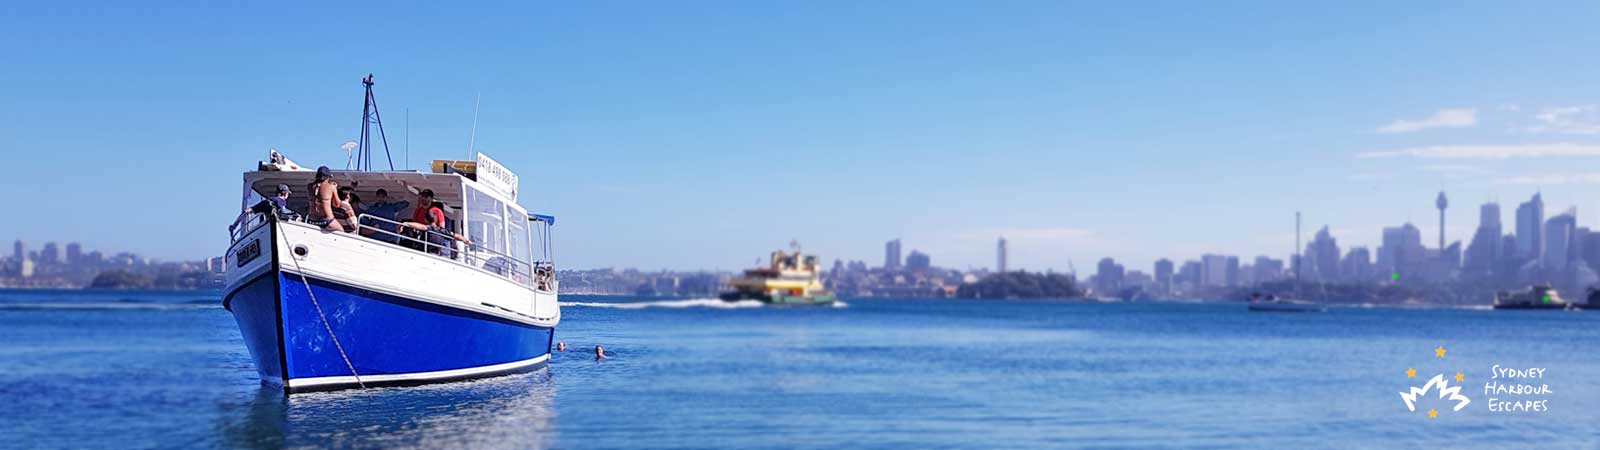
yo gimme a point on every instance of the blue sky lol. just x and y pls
(705, 134)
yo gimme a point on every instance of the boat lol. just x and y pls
(323, 310)
(1272, 303)
(790, 279)
(1535, 297)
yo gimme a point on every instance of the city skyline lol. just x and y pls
(1543, 249)
(1075, 131)
(1528, 236)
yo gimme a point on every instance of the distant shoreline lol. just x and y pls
(1345, 306)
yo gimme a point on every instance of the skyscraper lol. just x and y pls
(1214, 270)
(19, 250)
(1267, 269)
(891, 255)
(1000, 255)
(1506, 267)
(1107, 276)
(918, 261)
(1558, 239)
(1164, 275)
(1189, 273)
(1442, 203)
(1357, 265)
(50, 254)
(74, 253)
(1322, 257)
(1483, 253)
(1402, 252)
(1589, 248)
(1530, 224)
(1231, 271)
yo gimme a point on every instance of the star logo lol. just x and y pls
(1438, 383)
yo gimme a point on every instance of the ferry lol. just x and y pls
(382, 305)
(1536, 297)
(790, 279)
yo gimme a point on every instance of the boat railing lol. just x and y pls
(242, 226)
(539, 275)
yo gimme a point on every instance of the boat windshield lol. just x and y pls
(486, 220)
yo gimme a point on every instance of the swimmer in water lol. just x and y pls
(561, 346)
(599, 353)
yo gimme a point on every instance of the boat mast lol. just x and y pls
(369, 115)
(472, 139)
(1297, 262)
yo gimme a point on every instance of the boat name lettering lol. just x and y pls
(249, 252)
(496, 176)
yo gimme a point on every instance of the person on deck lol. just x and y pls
(419, 215)
(352, 208)
(383, 208)
(324, 200)
(424, 203)
(277, 204)
(428, 221)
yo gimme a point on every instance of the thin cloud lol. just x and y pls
(1458, 170)
(1444, 118)
(1551, 179)
(1056, 234)
(1367, 176)
(1489, 152)
(1583, 119)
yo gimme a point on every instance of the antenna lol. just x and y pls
(1297, 262)
(473, 139)
(369, 115)
(408, 138)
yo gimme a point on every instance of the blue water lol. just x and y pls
(167, 370)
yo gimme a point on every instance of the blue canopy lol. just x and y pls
(542, 218)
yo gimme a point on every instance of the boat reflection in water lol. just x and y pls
(506, 412)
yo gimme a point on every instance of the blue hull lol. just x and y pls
(389, 340)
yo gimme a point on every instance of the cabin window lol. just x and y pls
(517, 230)
(486, 221)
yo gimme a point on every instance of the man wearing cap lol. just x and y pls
(278, 204)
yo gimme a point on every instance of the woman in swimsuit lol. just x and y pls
(324, 199)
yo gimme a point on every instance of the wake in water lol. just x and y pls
(688, 303)
(105, 306)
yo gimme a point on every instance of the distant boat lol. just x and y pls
(790, 279)
(1536, 297)
(1271, 303)
(1274, 304)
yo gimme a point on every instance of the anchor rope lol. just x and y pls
(325, 324)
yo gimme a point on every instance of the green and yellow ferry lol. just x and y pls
(791, 279)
